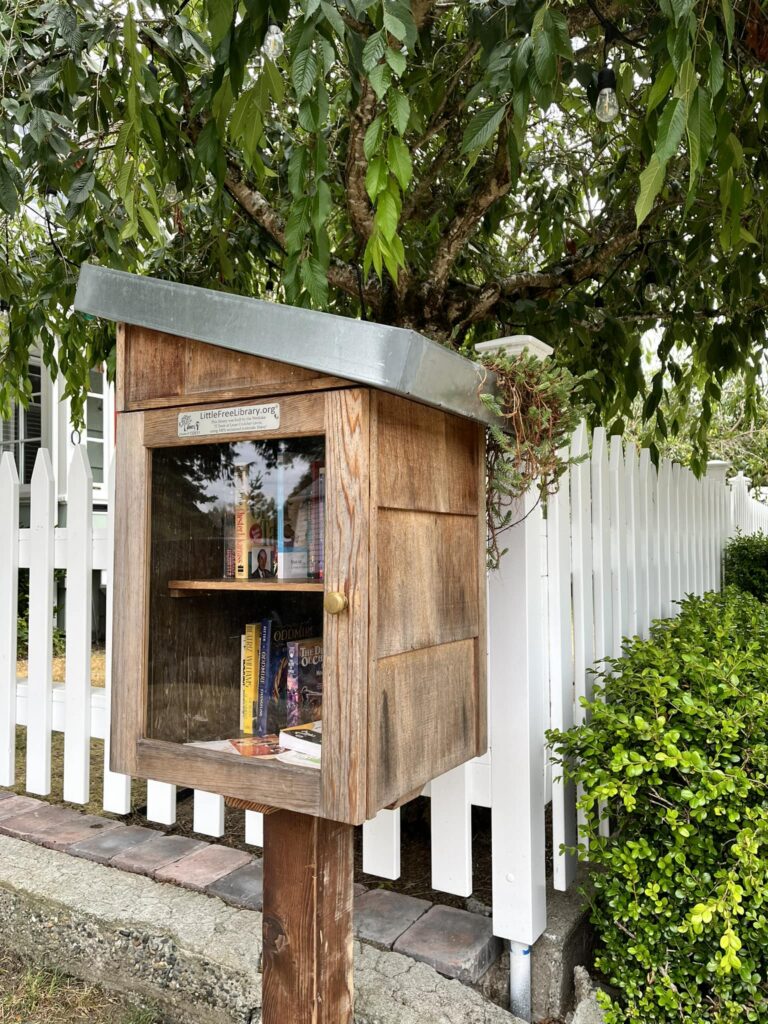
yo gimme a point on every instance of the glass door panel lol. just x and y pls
(236, 592)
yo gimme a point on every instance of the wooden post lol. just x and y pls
(307, 958)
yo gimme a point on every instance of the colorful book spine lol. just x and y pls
(250, 679)
(242, 523)
(262, 700)
(292, 684)
(317, 522)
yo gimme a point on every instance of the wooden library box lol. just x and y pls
(299, 579)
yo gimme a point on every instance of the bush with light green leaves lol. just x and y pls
(675, 749)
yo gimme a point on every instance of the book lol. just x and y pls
(305, 739)
(245, 746)
(316, 561)
(272, 699)
(250, 677)
(292, 551)
(242, 523)
(304, 680)
(300, 760)
(262, 696)
(262, 555)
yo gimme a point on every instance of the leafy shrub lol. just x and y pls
(22, 620)
(746, 564)
(676, 746)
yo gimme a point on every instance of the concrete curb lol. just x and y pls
(189, 954)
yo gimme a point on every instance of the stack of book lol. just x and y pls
(281, 676)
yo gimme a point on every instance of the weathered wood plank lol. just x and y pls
(427, 580)
(425, 459)
(424, 720)
(130, 594)
(307, 957)
(345, 636)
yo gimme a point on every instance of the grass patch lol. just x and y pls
(31, 995)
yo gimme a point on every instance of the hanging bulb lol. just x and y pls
(274, 43)
(607, 106)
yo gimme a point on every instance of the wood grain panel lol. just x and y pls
(307, 924)
(423, 719)
(481, 650)
(163, 369)
(300, 416)
(427, 575)
(131, 593)
(345, 656)
(425, 458)
(267, 782)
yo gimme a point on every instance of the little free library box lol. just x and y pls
(299, 599)
(299, 585)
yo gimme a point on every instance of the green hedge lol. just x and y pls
(746, 564)
(676, 745)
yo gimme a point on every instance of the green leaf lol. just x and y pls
(374, 134)
(376, 177)
(220, 17)
(660, 87)
(9, 198)
(333, 17)
(373, 50)
(321, 207)
(716, 69)
(728, 21)
(393, 24)
(387, 214)
(483, 127)
(397, 61)
(687, 80)
(81, 187)
(670, 130)
(399, 110)
(315, 280)
(400, 161)
(207, 146)
(544, 57)
(561, 34)
(297, 225)
(304, 72)
(381, 79)
(701, 132)
(651, 180)
(151, 224)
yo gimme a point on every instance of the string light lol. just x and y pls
(274, 43)
(607, 104)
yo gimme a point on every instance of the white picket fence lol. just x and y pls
(619, 545)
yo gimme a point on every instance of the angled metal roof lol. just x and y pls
(390, 358)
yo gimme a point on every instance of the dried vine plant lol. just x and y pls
(538, 406)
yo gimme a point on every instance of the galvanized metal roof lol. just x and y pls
(391, 358)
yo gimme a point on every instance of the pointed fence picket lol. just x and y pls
(618, 545)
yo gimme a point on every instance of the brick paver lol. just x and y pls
(382, 917)
(55, 827)
(18, 805)
(149, 857)
(103, 848)
(241, 888)
(456, 943)
(204, 867)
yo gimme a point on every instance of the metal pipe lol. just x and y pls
(520, 979)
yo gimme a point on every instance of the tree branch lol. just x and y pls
(496, 184)
(358, 204)
(341, 275)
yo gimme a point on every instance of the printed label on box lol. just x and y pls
(239, 419)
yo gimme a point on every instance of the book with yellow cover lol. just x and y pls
(250, 678)
(242, 524)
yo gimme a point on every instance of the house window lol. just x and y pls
(22, 434)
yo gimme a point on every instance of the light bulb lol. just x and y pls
(274, 43)
(607, 106)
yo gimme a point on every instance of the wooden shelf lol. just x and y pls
(188, 588)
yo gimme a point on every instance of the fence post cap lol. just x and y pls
(718, 468)
(516, 344)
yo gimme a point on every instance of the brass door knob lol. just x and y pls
(335, 602)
